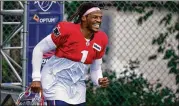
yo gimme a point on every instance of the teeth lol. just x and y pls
(96, 25)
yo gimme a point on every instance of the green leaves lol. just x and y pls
(177, 26)
(166, 20)
(145, 17)
(161, 49)
(169, 53)
(173, 70)
(177, 77)
(160, 40)
(132, 89)
(152, 57)
(172, 63)
(177, 36)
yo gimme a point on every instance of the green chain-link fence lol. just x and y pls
(142, 57)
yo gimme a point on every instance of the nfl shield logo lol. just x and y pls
(44, 5)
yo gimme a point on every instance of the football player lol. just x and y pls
(78, 46)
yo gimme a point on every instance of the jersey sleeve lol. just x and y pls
(59, 33)
(104, 42)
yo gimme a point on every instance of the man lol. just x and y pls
(77, 45)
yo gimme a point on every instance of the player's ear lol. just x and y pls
(83, 18)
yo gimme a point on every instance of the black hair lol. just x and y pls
(81, 10)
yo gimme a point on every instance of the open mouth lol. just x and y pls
(96, 26)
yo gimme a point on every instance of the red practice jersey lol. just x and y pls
(71, 43)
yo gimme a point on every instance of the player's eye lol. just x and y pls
(97, 17)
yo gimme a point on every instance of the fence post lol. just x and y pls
(1, 39)
(24, 61)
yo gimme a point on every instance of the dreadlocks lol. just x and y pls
(81, 10)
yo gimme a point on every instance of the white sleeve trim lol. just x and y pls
(42, 47)
(95, 71)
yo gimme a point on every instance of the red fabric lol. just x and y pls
(70, 43)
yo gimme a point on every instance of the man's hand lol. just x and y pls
(103, 82)
(35, 86)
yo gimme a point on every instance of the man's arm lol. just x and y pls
(42, 47)
(96, 74)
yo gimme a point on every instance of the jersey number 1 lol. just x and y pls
(84, 55)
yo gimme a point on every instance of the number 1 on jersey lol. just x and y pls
(84, 55)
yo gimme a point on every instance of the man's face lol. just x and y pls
(94, 20)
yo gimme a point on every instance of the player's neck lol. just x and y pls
(87, 34)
